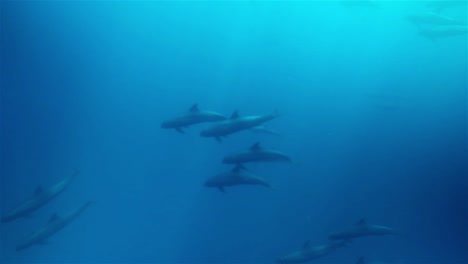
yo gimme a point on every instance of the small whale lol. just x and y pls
(55, 224)
(439, 6)
(435, 33)
(40, 197)
(308, 253)
(192, 117)
(264, 130)
(237, 176)
(431, 18)
(362, 229)
(256, 153)
(236, 124)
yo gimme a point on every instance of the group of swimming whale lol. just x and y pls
(431, 24)
(41, 197)
(222, 128)
(336, 241)
(256, 153)
(237, 176)
(434, 25)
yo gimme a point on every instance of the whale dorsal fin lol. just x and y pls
(256, 147)
(238, 168)
(38, 190)
(306, 244)
(361, 261)
(361, 222)
(53, 218)
(194, 108)
(235, 115)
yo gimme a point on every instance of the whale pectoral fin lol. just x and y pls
(237, 168)
(361, 222)
(27, 216)
(221, 189)
(426, 35)
(178, 129)
(235, 115)
(53, 218)
(255, 147)
(38, 190)
(43, 243)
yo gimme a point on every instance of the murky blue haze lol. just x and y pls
(373, 114)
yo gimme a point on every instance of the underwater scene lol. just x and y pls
(235, 132)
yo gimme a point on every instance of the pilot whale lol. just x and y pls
(435, 33)
(55, 224)
(264, 130)
(431, 18)
(236, 124)
(237, 176)
(192, 117)
(256, 153)
(308, 252)
(361, 229)
(40, 197)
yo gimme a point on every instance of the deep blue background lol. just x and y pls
(373, 115)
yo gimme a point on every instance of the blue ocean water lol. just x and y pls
(373, 115)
